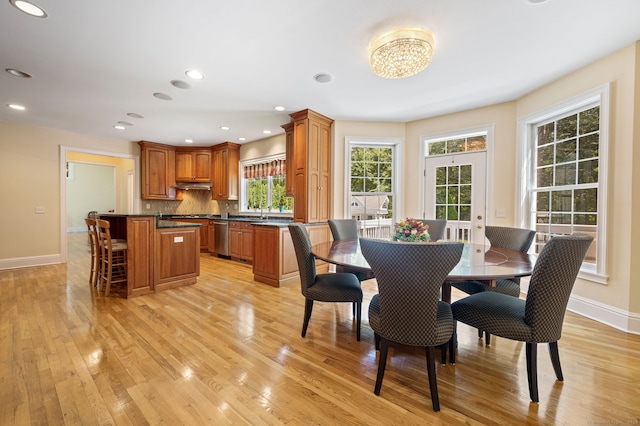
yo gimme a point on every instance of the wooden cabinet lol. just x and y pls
(309, 165)
(241, 240)
(211, 237)
(274, 261)
(226, 157)
(203, 233)
(288, 130)
(177, 259)
(157, 163)
(193, 165)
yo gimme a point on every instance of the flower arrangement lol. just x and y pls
(411, 230)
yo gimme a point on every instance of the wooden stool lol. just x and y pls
(113, 258)
(95, 250)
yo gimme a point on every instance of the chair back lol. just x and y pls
(409, 277)
(93, 233)
(306, 259)
(551, 283)
(343, 229)
(510, 238)
(436, 228)
(103, 233)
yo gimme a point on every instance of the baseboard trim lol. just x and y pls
(26, 262)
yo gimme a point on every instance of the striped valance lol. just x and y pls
(268, 168)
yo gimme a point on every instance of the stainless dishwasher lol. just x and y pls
(221, 237)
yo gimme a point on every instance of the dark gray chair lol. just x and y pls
(539, 318)
(339, 287)
(436, 228)
(347, 229)
(408, 309)
(500, 236)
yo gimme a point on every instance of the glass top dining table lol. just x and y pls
(479, 262)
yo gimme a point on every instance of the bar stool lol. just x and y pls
(113, 258)
(95, 250)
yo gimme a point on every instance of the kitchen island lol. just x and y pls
(161, 254)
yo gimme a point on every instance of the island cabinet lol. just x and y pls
(157, 164)
(308, 144)
(226, 158)
(241, 241)
(177, 257)
(193, 165)
(274, 258)
(203, 230)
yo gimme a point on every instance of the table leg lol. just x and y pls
(446, 292)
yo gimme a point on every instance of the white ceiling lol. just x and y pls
(93, 62)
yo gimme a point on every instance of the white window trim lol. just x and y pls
(424, 152)
(397, 143)
(524, 179)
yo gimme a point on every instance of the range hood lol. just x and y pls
(194, 185)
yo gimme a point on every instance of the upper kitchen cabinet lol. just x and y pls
(157, 171)
(308, 138)
(226, 159)
(193, 165)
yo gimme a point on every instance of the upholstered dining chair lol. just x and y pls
(347, 229)
(329, 287)
(407, 308)
(517, 239)
(436, 228)
(539, 318)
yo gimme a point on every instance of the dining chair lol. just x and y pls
(437, 228)
(539, 318)
(407, 309)
(113, 258)
(328, 287)
(347, 229)
(517, 239)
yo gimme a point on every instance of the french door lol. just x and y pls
(455, 190)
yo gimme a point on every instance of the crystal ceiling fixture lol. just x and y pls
(29, 8)
(16, 107)
(163, 96)
(134, 115)
(17, 73)
(402, 52)
(180, 84)
(194, 74)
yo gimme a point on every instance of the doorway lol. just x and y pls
(455, 190)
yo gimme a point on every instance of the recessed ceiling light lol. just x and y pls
(278, 108)
(194, 74)
(188, 140)
(17, 73)
(29, 8)
(181, 84)
(266, 132)
(119, 127)
(162, 96)
(134, 115)
(242, 139)
(224, 128)
(323, 78)
(16, 107)
(124, 123)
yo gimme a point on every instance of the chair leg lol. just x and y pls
(487, 338)
(358, 316)
(480, 333)
(555, 359)
(376, 340)
(532, 370)
(431, 372)
(382, 363)
(452, 343)
(308, 307)
(353, 309)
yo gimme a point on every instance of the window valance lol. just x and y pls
(268, 168)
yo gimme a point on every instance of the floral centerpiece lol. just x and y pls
(411, 230)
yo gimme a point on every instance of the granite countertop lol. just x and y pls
(163, 224)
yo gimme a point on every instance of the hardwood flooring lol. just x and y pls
(228, 350)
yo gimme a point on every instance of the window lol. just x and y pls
(263, 186)
(372, 186)
(458, 144)
(566, 190)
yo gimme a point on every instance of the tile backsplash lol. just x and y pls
(194, 202)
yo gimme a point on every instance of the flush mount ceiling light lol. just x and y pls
(17, 73)
(29, 8)
(194, 74)
(401, 52)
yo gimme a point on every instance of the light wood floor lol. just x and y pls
(228, 351)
